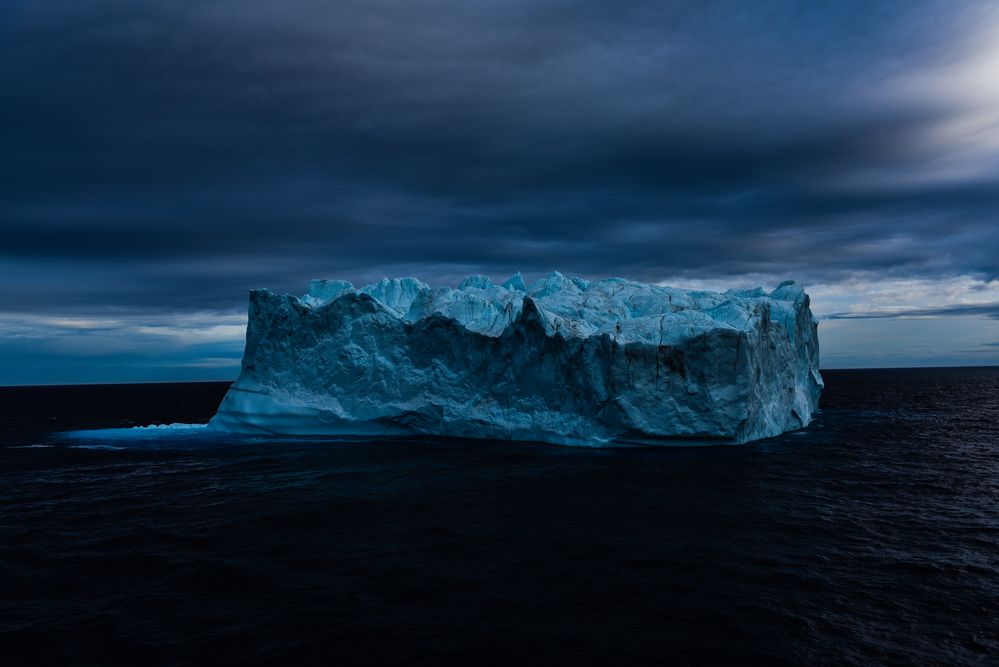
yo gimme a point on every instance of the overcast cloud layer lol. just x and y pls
(160, 158)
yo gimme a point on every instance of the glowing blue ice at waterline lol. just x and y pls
(170, 435)
(134, 432)
(118, 438)
(565, 360)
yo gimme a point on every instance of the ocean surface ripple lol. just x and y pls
(872, 537)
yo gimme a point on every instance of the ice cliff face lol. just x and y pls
(564, 360)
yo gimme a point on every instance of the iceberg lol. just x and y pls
(565, 360)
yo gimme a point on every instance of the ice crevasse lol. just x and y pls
(565, 360)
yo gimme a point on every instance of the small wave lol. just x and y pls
(105, 447)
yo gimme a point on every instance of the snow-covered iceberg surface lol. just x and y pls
(564, 360)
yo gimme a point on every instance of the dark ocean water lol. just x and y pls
(872, 537)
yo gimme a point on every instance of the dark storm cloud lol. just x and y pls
(171, 155)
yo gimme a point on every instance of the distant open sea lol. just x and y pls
(872, 537)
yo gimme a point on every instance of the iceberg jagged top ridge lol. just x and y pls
(627, 310)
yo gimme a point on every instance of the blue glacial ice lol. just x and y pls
(565, 360)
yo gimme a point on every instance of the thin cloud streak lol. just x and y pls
(990, 310)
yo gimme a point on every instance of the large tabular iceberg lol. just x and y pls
(565, 360)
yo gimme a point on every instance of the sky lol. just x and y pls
(159, 159)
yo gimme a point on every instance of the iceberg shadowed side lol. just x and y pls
(565, 360)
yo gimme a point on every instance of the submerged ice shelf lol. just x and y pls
(565, 360)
